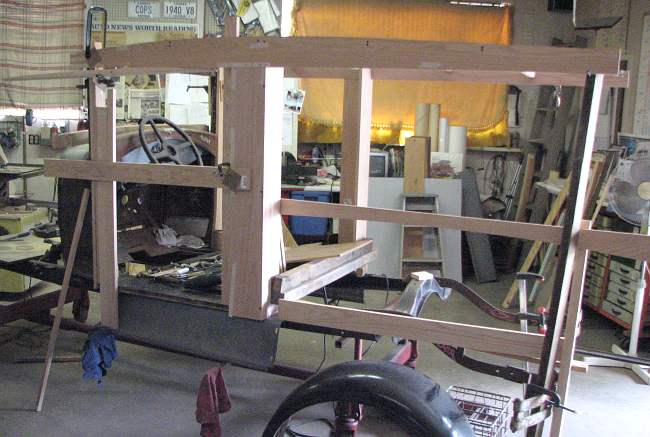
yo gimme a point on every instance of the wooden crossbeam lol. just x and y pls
(620, 80)
(515, 344)
(527, 231)
(330, 52)
(181, 175)
(636, 246)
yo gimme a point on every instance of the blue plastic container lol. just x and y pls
(310, 226)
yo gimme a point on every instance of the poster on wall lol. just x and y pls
(185, 9)
(144, 9)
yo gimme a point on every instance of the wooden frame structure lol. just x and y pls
(252, 104)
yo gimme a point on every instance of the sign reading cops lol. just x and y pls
(180, 9)
(144, 9)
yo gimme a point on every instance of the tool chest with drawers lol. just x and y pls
(611, 284)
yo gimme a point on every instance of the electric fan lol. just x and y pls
(629, 191)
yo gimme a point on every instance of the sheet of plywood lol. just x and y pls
(309, 252)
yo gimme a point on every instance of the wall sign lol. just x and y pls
(131, 26)
(185, 9)
(144, 9)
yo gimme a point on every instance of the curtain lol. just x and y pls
(38, 36)
(480, 107)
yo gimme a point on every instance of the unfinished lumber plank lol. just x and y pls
(625, 244)
(65, 286)
(526, 185)
(333, 52)
(572, 331)
(573, 223)
(287, 237)
(620, 80)
(516, 344)
(71, 74)
(318, 262)
(417, 153)
(253, 101)
(355, 149)
(103, 152)
(528, 231)
(311, 252)
(507, 77)
(553, 215)
(105, 171)
(297, 283)
(231, 29)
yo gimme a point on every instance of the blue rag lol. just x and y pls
(98, 353)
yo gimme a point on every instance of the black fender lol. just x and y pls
(406, 396)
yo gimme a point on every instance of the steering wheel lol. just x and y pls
(166, 150)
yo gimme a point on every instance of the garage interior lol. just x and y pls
(318, 217)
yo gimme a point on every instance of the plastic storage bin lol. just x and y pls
(310, 226)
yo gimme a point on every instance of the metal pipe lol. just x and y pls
(613, 357)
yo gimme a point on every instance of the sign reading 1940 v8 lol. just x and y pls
(180, 9)
(144, 9)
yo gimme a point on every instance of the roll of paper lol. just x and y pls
(434, 125)
(422, 120)
(458, 141)
(443, 135)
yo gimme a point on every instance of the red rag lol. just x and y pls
(212, 400)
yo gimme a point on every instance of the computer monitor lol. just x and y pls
(378, 164)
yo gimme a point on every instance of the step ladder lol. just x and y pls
(421, 247)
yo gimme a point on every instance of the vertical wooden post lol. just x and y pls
(251, 219)
(573, 221)
(571, 332)
(231, 30)
(102, 148)
(355, 148)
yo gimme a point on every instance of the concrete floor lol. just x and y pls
(153, 393)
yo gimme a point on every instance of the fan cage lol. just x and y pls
(488, 413)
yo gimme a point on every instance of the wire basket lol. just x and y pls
(488, 413)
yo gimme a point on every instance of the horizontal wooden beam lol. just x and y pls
(496, 77)
(480, 338)
(81, 74)
(527, 231)
(620, 80)
(181, 175)
(309, 277)
(329, 52)
(635, 246)
(499, 77)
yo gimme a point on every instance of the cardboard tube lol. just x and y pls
(457, 139)
(443, 135)
(422, 120)
(434, 125)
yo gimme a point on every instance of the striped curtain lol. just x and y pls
(38, 36)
